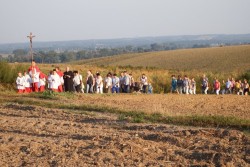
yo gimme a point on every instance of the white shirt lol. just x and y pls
(61, 80)
(126, 79)
(54, 81)
(108, 81)
(144, 81)
(49, 81)
(77, 79)
(20, 82)
(116, 82)
(27, 81)
(42, 82)
(34, 76)
(99, 82)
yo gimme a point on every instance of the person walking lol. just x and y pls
(217, 87)
(115, 84)
(108, 83)
(126, 82)
(179, 84)
(68, 80)
(89, 82)
(20, 81)
(204, 85)
(173, 84)
(77, 81)
(186, 84)
(99, 84)
(246, 87)
(144, 82)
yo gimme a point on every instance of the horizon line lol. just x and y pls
(71, 40)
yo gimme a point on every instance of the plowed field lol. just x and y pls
(32, 135)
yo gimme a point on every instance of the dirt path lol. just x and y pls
(36, 136)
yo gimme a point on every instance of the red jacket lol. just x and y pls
(36, 67)
(60, 73)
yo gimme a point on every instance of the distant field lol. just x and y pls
(5, 55)
(219, 59)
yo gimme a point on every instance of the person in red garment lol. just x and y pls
(34, 73)
(60, 73)
(42, 82)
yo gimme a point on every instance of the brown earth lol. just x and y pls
(172, 104)
(39, 136)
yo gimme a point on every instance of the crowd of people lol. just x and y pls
(34, 80)
(188, 86)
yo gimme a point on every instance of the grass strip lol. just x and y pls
(141, 117)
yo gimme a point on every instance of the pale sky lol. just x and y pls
(59, 20)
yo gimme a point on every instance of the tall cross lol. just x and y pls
(31, 51)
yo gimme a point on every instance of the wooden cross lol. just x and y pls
(31, 51)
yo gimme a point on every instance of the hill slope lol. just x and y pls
(225, 59)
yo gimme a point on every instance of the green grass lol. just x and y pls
(81, 112)
(52, 95)
(9, 73)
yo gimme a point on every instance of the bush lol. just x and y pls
(159, 83)
(246, 76)
(8, 73)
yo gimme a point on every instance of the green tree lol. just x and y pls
(20, 52)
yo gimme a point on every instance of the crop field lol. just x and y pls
(219, 59)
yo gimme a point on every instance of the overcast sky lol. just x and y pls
(57, 20)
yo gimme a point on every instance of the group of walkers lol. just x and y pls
(34, 80)
(230, 86)
(125, 83)
(185, 85)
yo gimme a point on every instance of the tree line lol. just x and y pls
(53, 56)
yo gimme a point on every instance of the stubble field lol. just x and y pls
(39, 130)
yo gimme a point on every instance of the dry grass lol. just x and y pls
(169, 105)
(223, 59)
(200, 110)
